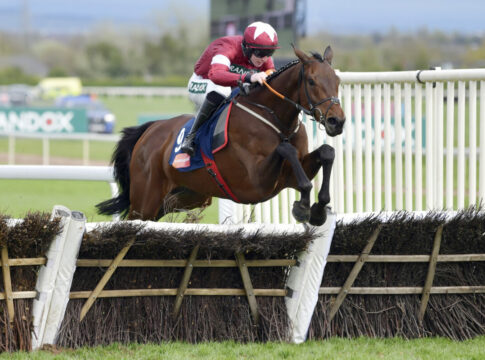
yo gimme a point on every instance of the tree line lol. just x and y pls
(105, 55)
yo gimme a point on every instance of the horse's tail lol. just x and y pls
(121, 162)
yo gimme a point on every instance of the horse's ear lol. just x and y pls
(328, 54)
(300, 54)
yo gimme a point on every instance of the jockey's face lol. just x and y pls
(257, 61)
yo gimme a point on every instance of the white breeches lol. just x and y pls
(199, 87)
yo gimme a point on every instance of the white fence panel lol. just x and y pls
(398, 123)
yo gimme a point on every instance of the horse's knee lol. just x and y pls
(327, 153)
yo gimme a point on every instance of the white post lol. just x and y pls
(418, 156)
(226, 211)
(291, 200)
(387, 148)
(257, 213)
(368, 147)
(408, 153)
(266, 207)
(349, 184)
(481, 179)
(311, 136)
(333, 186)
(339, 176)
(429, 147)
(275, 209)
(377, 148)
(472, 133)
(398, 144)
(438, 138)
(320, 140)
(450, 146)
(461, 146)
(358, 148)
(284, 206)
(246, 214)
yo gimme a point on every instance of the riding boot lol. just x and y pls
(211, 102)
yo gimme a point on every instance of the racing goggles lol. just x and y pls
(261, 53)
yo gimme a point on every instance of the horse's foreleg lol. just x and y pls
(326, 155)
(301, 208)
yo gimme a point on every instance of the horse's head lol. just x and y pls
(319, 90)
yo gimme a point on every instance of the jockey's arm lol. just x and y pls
(220, 75)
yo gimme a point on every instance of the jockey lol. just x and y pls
(226, 61)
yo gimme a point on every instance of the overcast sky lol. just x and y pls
(338, 16)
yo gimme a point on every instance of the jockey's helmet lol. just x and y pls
(259, 39)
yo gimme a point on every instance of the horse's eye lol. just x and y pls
(311, 82)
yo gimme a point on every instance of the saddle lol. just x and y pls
(210, 138)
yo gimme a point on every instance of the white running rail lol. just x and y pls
(439, 162)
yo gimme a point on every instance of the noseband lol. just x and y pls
(313, 106)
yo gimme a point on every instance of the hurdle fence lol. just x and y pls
(63, 263)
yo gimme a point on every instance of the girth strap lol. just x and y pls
(213, 171)
(262, 119)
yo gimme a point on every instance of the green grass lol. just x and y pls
(335, 348)
(127, 109)
(18, 197)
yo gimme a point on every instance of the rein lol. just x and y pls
(313, 107)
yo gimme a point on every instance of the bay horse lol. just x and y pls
(267, 149)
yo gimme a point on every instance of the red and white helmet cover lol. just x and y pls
(260, 35)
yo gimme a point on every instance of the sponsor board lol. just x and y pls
(43, 120)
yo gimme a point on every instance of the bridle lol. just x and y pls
(312, 111)
(313, 106)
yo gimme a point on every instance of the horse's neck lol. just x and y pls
(287, 85)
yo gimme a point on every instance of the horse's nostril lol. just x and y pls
(332, 121)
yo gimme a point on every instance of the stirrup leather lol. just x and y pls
(188, 144)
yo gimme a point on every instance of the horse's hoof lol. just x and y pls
(301, 212)
(318, 214)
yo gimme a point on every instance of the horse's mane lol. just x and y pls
(282, 69)
(316, 55)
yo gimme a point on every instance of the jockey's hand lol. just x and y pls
(259, 77)
(244, 87)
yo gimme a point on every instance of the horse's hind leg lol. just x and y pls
(182, 199)
(301, 208)
(318, 212)
(146, 198)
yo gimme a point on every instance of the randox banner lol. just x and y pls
(44, 120)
